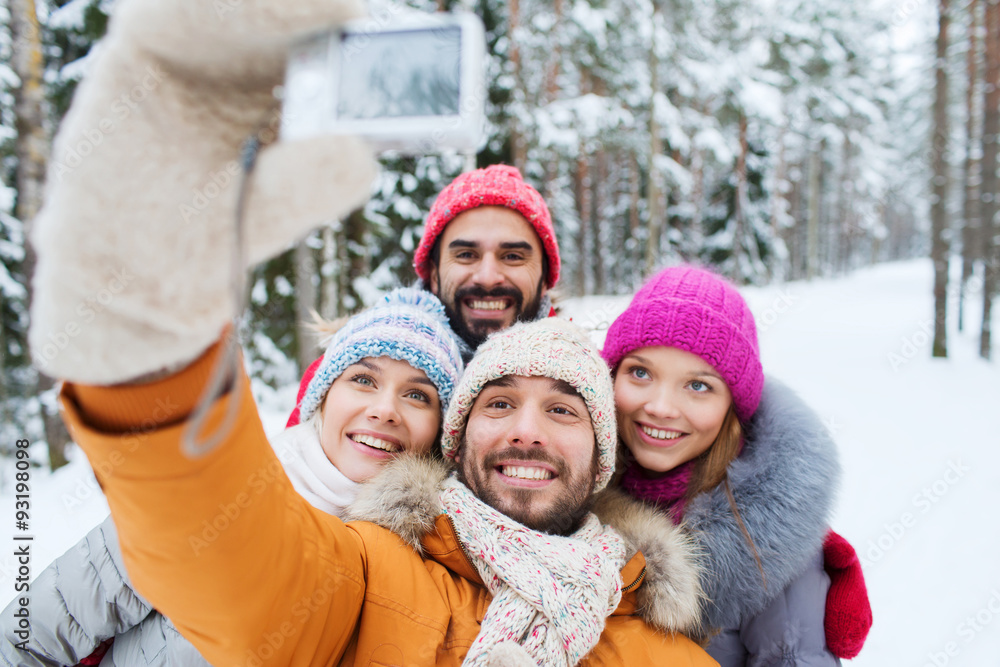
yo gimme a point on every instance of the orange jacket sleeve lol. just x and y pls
(222, 545)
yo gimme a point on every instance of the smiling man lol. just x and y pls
(489, 252)
(502, 563)
(530, 452)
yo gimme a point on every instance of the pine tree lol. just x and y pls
(939, 201)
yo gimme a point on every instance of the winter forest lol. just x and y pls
(774, 140)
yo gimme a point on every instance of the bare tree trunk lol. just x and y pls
(696, 239)
(599, 247)
(329, 293)
(551, 95)
(355, 260)
(971, 252)
(848, 229)
(583, 208)
(779, 205)
(812, 225)
(793, 234)
(939, 201)
(991, 143)
(742, 240)
(655, 223)
(599, 203)
(305, 301)
(518, 145)
(31, 147)
(633, 215)
(553, 69)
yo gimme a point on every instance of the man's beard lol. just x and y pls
(476, 332)
(562, 517)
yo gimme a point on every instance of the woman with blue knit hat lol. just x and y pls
(743, 462)
(380, 390)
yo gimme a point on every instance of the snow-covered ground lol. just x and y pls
(921, 470)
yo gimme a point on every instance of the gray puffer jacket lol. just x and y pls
(788, 632)
(783, 482)
(83, 598)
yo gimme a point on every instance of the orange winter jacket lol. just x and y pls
(254, 575)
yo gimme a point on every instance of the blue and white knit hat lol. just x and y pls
(408, 324)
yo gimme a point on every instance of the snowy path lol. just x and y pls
(921, 461)
(920, 456)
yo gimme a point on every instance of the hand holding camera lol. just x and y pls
(135, 243)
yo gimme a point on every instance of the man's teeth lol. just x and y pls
(522, 472)
(660, 434)
(377, 443)
(488, 305)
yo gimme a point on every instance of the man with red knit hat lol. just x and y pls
(489, 252)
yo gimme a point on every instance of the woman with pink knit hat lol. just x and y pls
(742, 461)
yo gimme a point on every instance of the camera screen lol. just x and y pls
(400, 74)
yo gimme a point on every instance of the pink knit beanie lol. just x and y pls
(700, 312)
(497, 185)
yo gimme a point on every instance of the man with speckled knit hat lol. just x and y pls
(510, 561)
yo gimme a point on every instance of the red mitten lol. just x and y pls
(293, 418)
(98, 654)
(848, 612)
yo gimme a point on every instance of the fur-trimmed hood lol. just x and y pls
(784, 484)
(404, 498)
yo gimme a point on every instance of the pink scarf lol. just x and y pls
(665, 491)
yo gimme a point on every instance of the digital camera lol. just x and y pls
(413, 85)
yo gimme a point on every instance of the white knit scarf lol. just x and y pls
(551, 594)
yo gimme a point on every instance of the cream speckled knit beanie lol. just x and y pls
(551, 348)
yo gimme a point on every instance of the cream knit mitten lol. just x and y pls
(135, 240)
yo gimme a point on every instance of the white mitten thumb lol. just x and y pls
(299, 184)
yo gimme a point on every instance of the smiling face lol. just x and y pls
(489, 271)
(529, 452)
(375, 410)
(671, 405)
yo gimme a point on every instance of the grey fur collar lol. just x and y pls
(784, 484)
(403, 498)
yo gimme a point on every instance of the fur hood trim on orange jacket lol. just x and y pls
(404, 498)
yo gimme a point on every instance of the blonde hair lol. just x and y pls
(711, 469)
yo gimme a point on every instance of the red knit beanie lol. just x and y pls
(497, 185)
